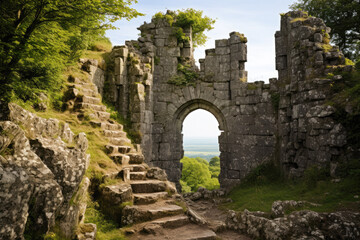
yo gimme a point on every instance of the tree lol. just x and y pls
(196, 174)
(189, 18)
(214, 167)
(25, 23)
(343, 17)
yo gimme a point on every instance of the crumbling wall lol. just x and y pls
(286, 121)
(307, 63)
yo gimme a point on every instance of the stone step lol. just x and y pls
(190, 232)
(88, 99)
(136, 158)
(137, 168)
(90, 93)
(120, 158)
(144, 213)
(102, 116)
(172, 221)
(95, 107)
(116, 194)
(137, 175)
(148, 186)
(120, 141)
(115, 134)
(90, 86)
(117, 149)
(76, 80)
(148, 198)
(111, 126)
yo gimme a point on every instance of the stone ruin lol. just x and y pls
(287, 121)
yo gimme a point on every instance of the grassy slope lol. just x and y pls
(100, 163)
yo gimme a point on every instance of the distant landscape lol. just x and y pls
(205, 148)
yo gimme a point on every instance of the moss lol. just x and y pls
(242, 37)
(298, 19)
(251, 86)
(156, 60)
(136, 45)
(326, 47)
(182, 205)
(109, 182)
(275, 100)
(147, 65)
(186, 76)
(349, 62)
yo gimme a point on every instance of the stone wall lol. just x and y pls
(307, 64)
(286, 121)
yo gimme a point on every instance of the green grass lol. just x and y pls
(331, 196)
(106, 228)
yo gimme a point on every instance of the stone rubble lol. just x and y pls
(303, 224)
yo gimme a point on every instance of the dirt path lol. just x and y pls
(215, 218)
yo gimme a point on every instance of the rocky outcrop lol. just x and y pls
(297, 225)
(39, 175)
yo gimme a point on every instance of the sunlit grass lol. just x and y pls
(330, 196)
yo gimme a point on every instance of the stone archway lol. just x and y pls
(184, 110)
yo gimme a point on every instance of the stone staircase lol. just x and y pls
(141, 197)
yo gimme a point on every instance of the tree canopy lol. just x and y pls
(187, 18)
(343, 17)
(38, 36)
(197, 172)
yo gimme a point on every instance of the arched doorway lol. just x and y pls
(179, 117)
(201, 162)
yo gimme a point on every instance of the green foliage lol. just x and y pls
(180, 35)
(214, 167)
(186, 77)
(184, 187)
(38, 39)
(196, 173)
(156, 60)
(349, 62)
(266, 172)
(342, 16)
(106, 228)
(345, 96)
(186, 18)
(314, 174)
(134, 136)
(252, 86)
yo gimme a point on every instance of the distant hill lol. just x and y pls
(205, 148)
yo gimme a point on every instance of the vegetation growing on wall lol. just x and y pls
(188, 18)
(343, 17)
(187, 76)
(346, 100)
(198, 172)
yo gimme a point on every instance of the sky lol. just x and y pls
(258, 20)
